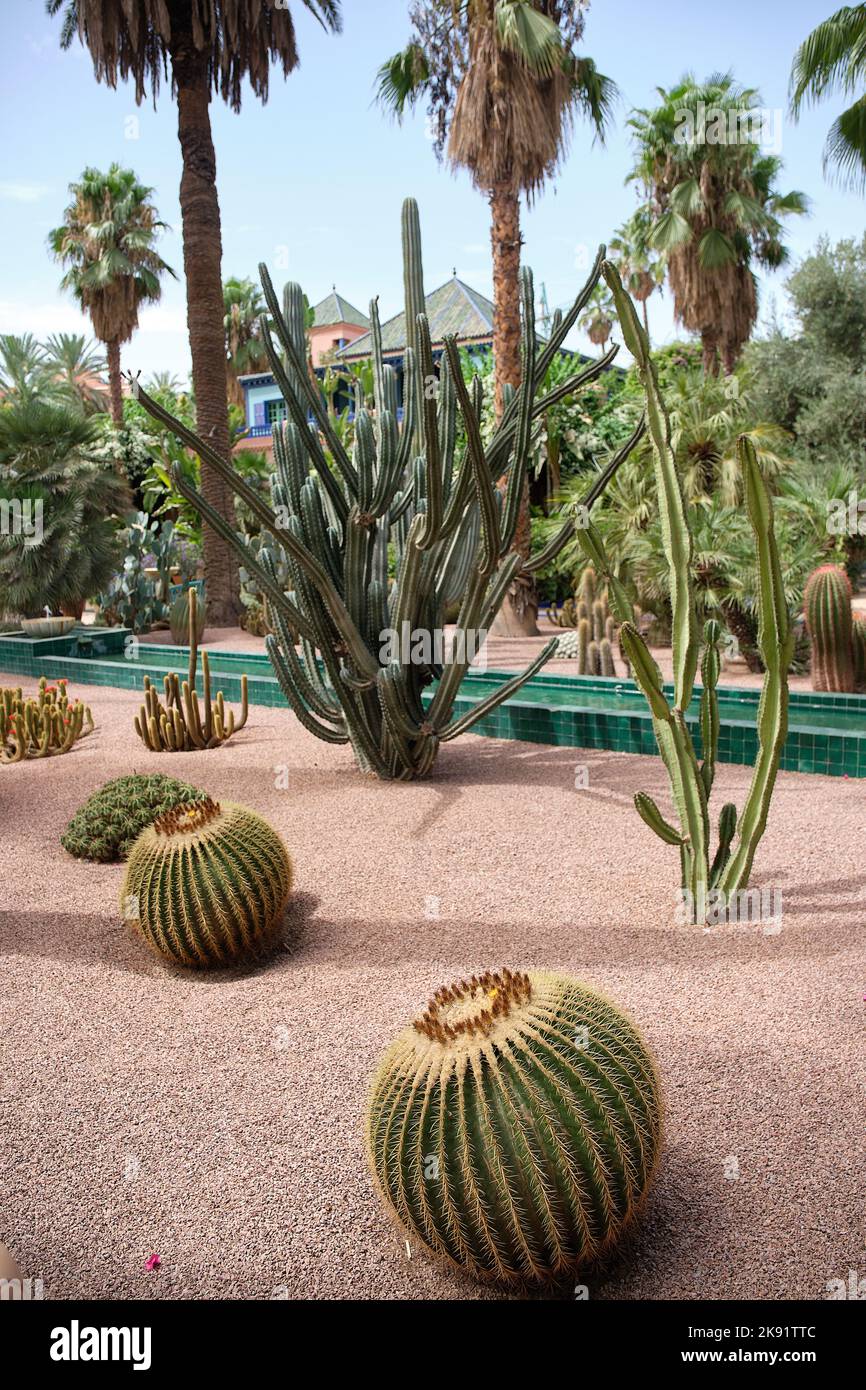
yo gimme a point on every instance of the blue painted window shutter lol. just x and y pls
(259, 413)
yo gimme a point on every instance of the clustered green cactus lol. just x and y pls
(40, 726)
(426, 493)
(206, 884)
(106, 826)
(728, 870)
(831, 628)
(513, 1129)
(178, 726)
(590, 643)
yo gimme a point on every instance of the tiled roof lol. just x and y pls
(335, 309)
(453, 308)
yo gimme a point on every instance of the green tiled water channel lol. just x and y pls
(826, 733)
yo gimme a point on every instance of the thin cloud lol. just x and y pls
(23, 192)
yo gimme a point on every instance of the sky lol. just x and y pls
(313, 181)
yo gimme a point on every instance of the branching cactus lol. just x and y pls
(827, 606)
(178, 725)
(367, 655)
(40, 726)
(726, 871)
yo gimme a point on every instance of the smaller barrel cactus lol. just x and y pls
(179, 617)
(827, 606)
(207, 884)
(106, 826)
(514, 1127)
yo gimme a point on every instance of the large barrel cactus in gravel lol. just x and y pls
(514, 1127)
(207, 884)
(827, 606)
(423, 491)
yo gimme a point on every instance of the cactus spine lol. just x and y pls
(410, 489)
(827, 606)
(178, 726)
(513, 1128)
(206, 885)
(691, 783)
(40, 726)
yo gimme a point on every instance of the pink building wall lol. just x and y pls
(325, 338)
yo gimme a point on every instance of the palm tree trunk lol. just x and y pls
(202, 257)
(112, 352)
(518, 614)
(709, 344)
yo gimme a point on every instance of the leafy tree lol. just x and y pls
(714, 206)
(503, 84)
(208, 47)
(107, 241)
(812, 381)
(833, 59)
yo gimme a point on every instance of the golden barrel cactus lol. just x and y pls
(514, 1127)
(207, 884)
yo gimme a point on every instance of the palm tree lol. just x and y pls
(76, 367)
(641, 269)
(245, 351)
(22, 367)
(107, 241)
(49, 457)
(833, 59)
(209, 47)
(503, 85)
(597, 319)
(714, 206)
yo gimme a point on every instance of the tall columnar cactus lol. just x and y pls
(827, 606)
(415, 491)
(727, 872)
(207, 884)
(43, 725)
(513, 1128)
(178, 726)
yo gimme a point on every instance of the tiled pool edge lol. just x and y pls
(807, 749)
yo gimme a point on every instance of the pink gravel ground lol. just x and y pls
(216, 1120)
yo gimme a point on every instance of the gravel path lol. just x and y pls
(215, 1120)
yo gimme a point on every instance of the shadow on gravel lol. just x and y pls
(104, 940)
